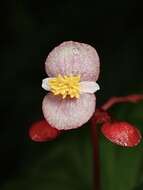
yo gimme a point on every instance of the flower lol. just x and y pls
(41, 131)
(122, 133)
(73, 69)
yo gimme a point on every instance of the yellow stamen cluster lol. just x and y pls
(65, 86)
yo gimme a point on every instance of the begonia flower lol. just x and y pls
(73, 69)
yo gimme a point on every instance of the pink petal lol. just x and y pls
(68, 113)
(41, 131)
(73, 58)
(122, 133)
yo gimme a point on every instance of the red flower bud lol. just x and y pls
(122, 133)
(41, 131)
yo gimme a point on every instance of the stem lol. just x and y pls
(133, 98)
(96, 156)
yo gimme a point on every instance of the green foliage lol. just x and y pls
(66, 163)
(63, 164)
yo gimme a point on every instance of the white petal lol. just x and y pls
(45, 85)
(88, 87)
(68, 113)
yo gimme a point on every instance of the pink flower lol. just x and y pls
(73, 69)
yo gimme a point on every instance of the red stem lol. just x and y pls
(96, 156)
(133, 98)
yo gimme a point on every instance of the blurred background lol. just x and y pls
(29, 31)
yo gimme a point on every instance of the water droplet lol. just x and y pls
(75, 51)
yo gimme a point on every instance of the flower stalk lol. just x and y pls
(96, 155)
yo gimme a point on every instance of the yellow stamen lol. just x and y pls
(66, 86)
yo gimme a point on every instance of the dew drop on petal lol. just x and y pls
(75, 51)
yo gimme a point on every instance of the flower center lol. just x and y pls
(65, 86)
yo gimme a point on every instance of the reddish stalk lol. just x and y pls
(133, 98)
(96, 156)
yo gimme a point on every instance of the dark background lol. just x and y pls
(30, 30)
